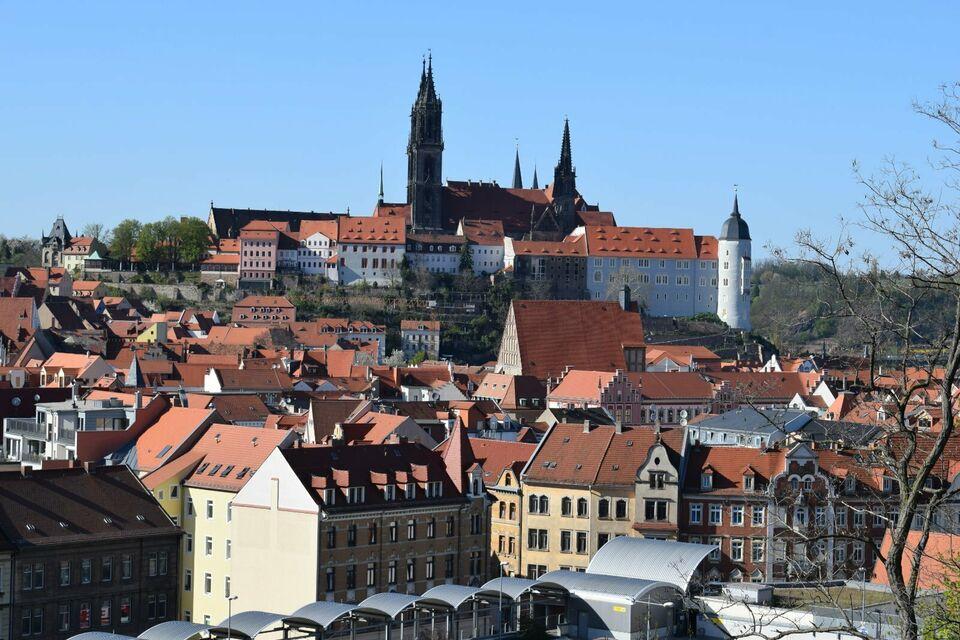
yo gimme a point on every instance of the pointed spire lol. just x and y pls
(736, 203)
(536, 184)
(458, 456)
(380, 194)
(517, 176)
(566, 156)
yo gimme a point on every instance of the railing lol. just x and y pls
(30, 456)
(67, 436)
(25, 427)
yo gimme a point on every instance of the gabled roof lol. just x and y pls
(378, 230)
(168, 435)
(643, 242)
(583, 334)
(231, 454)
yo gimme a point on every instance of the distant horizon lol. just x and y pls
(118, 111)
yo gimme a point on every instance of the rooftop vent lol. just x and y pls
(140, 517)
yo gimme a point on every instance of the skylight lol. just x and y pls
(164, 451)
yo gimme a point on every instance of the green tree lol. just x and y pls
(150, 243)
(124, 238)
(466, 258)
(194, 240)
(942, 618)
(418, 357)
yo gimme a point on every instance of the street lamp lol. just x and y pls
(500, 604)
(665, 605)
(230, 600)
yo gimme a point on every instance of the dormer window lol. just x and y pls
(748, 482)
(434, 489)
(850, 484)
(410, 491)
(390, 492)
(706, 480)
(329, 497)
(355, 495)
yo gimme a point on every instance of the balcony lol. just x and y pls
(25, 427)
(67, 436)
(31, 457)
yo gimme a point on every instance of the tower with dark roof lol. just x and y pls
(425, 154)
(734, 270)
(564, 187)
(54, 244)
(517, 175)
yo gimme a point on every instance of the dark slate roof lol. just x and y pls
(56, 506)
(735, 227)
(228, 222)
(750, 420)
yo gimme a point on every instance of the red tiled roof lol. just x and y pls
(16, 318)
(483, 232)
(728, 463)
(264, 301)
(583, 334)
(162, 439)
(328, 228)
(393, 210)
(372, 231)
(489, 201)
(575, 248)
(937, 567)
(420, 325)
(231, 454)
(762, 385)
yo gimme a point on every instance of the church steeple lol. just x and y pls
(380, 194)
(517, 176)
(535, 184)
(425, 153)
(565, 183)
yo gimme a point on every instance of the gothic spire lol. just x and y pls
(566, 157)
(517, 176)
(380, 195)
(535, 185)
(736, 205)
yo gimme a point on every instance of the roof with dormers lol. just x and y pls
(649, 242)
(379, 230)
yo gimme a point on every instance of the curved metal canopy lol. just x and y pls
(512, 587)
(577, 582)
(450, 595)
(647, 559)
(174, 630)
(386, 605)
(100, 635)
(319, 614)
(248, 624)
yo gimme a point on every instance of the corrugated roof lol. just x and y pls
(576, 582)
(321, 614)
(647, 559)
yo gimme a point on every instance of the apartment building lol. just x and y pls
(420, 335)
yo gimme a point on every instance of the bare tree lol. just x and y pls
(914, 356)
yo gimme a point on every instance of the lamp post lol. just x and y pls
(665, 605)
(230, 600)
(500, 604)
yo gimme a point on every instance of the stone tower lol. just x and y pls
(425, 154)
(564, 187)
(734, 269)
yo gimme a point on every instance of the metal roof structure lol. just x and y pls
(319, 614)
(386, 605)
(248, 623)
(648, 559)
(577, 582)
(174, 630)
(100, 635)
(450, 595)
(512, 587)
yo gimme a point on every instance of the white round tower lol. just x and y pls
(733, 271)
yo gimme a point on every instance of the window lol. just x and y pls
(602, 539)
(736, 550)
(715, 541)
(566, 544)
(372, 533)
(716, 514)
(411, 530)
(209, 509)
(208, 546)
(125, 610)
(351, 576)
(86, 571)
(655, 510)
(84, 620)
(188, 580)
(331, 578)
(841, 516)
(820, 516)
(757, 515)
(582, 508)
(410, 491)
(411, 570)
(188, 543)
(64, 573)
(448, 563)
(393, 531)
(226, 586)
(355, 495)
(840, 554)
(450, 526)
(432, 527)
(429, 568)
(858, 555)
(537, 539)
(706, 481)
(207, 583)
(858, 519)
(227, 549)
(603, 509)
(152, 564)
(189, 506)
(476, 523)
(566, 507)
(800, 516)
(105, 607)
(63, 617)
(582, 546)
(757, 547)
(696, 513)
(371, 574)
(332, 538)
(392, 572)
(621, 509)
(658, 479)
(106, 569)
(736, 515)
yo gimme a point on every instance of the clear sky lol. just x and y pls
(130, 109)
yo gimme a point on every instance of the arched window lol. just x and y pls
(533, 504)
(566, 507)
(603, 510)
(621, 509)
(795, 483)
(544, 504)
(582, 510)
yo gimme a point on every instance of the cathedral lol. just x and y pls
(530, 213)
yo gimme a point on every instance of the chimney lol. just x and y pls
(137, 400)
(618, 426)
(586, 426)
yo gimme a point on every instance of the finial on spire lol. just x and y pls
(736, 202)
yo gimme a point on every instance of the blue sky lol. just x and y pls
(114, 110)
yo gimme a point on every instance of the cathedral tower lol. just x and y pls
(425, 154)
(564, 187)
(734, 270)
